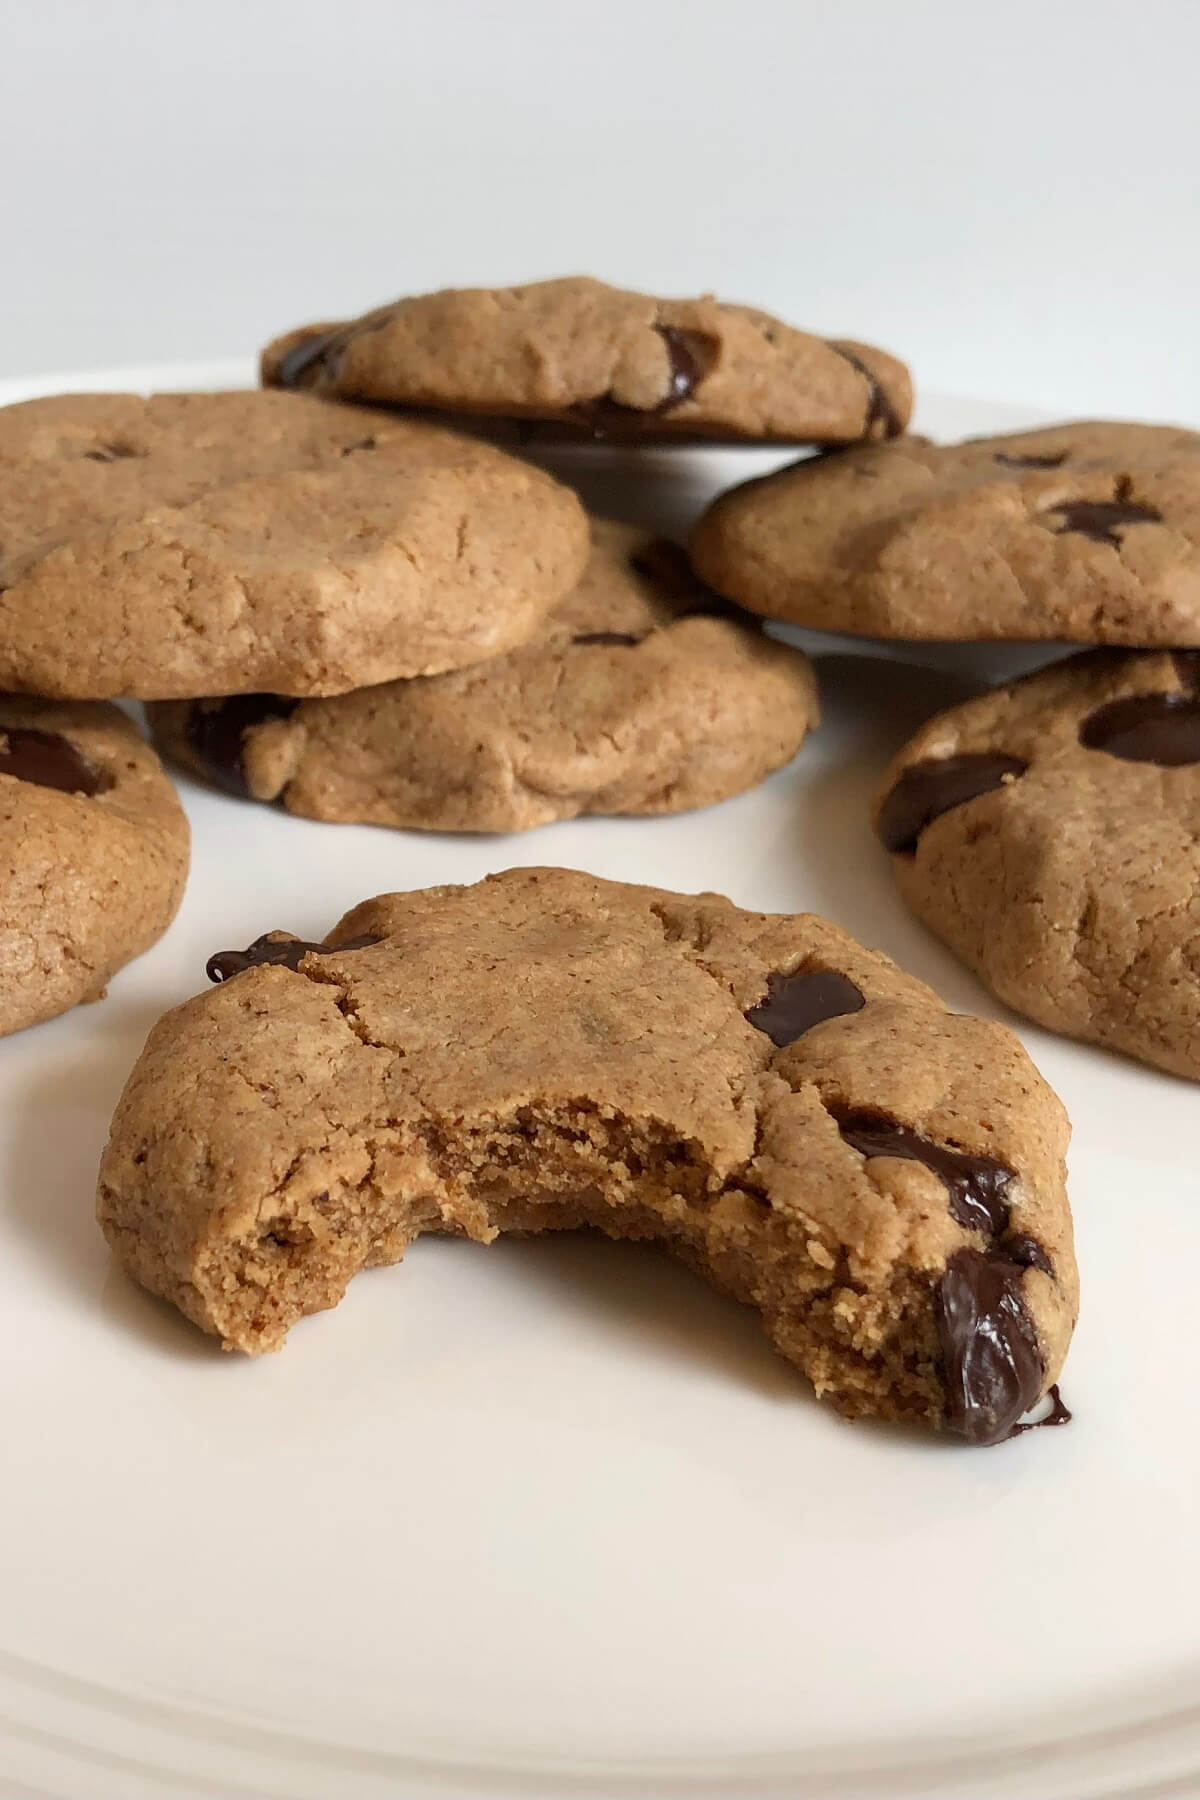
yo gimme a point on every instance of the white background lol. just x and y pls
(1005, 193)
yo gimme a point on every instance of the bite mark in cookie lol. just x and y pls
(547, 1051)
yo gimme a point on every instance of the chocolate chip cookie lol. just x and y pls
(601, 362)
(1088, 533)
(228, 543)
(640, 694)
(1049, 833)
(93, 854)
(790, 1113)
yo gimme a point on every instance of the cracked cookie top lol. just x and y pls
(1049, 832)
(1089, 533)
(599, 361)
(786, 1109)
(642, 692)
(228, 543)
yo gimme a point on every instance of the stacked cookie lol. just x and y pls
(1048, 831)
(637, 692)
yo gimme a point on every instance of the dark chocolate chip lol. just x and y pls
(216, 732)
(933, 786)
(1187, 668)
(1032, 462)
(46, 759)
(276, 950)
(105, 453)
(1152, 728)
(1058, 1413)
(795, 1003)
(992, 1362)
(667, 566)
(608, 637)
(309, 358)
(880, 410)
(1102, 520)
(976, 1186)
(1029, 1253)
(691, 356)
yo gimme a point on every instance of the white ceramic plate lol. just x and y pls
(550, 1520)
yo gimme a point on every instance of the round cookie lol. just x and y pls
(1089, 533)
(1049, 833)
(93, 854)
(636, 697)
(226, 543)
(602, 362)
(791, 1114)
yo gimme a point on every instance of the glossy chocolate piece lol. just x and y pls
(275, 950)
(1103, 520)
(991, 1361)
(1150, 728)
(795, 1003)
(216, 731)
(880, 410)
(976, 1186)
(1032, 462)
(46, 759)
(935, 785)
(690, 357)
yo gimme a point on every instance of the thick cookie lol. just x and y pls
(1088, 533)
(1049, 833)
(634, 698)
(93, 854)
(788, 1112)
(225, 543)
(603, 362)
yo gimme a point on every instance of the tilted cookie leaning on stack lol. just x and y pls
(599, 361)
(1088, 533)
(788, 1112)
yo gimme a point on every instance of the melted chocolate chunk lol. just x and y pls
(1059, 1413)
(1102, 520)
(976, 1186)
(795, 1003)
(105, 453)
(311, 357)
(880, 410)
(935, 785)
(608, 637)
(1029, 1253)
(691, 356)
(276, 950)
(1152, 728)
(216, 731)
(667, 566)
(991, 1360)
(1032, 462)
(1187, 668)
(47, 760)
